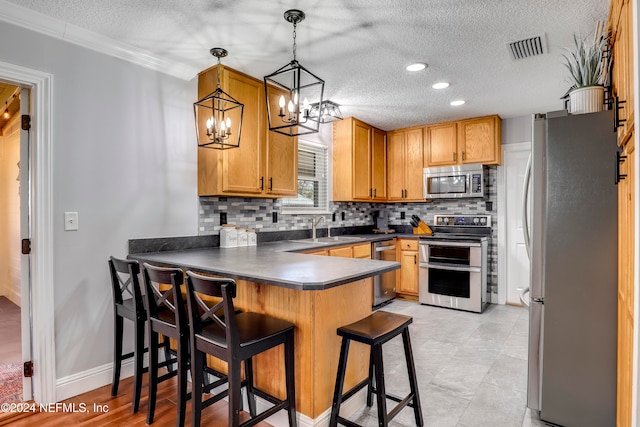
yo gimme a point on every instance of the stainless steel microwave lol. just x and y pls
(454, 181)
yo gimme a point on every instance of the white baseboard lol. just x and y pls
(82, 382)
(347, 408)
(89, 380)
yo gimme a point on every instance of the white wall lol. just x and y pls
(516, 129)
(124, 158)
(10, 211)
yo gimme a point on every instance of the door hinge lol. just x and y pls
(26, 246)
(26, 122)
(28, 369)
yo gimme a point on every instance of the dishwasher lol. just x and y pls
(384, 285)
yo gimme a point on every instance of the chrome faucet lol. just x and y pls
(314, 222)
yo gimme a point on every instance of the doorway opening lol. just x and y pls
(11, 298)
(35, 239)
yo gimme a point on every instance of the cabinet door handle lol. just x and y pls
(617, 121)
(463, 156)
(619, 160)
(262, 183)
(270, 183)
(375, 191)
(415, 259)
(370, 192)
(455, 156)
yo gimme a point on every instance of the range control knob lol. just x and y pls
(483, 221)
(476, 219)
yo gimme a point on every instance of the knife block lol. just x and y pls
(422, 229)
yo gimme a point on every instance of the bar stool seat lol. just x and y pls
(375, 330)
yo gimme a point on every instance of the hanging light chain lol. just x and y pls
(218, 84)
(295, 24)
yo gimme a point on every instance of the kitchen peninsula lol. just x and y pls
(317, 293)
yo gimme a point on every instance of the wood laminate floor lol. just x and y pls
(118, 410)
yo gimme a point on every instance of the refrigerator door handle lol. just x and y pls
(534, 383)
(525, 300)
(525, 203)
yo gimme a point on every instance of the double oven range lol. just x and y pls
(453, 263)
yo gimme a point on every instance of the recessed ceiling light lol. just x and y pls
(417, 66)
(440, 85)
(457, 102)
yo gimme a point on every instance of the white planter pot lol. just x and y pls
(588, 99)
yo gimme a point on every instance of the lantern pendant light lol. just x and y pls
(329, 112)
(291, 90)
(218, 115)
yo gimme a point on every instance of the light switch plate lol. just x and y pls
(70, 221)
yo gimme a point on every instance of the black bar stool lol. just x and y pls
(235, 337)
(127, 304)
(375, 330)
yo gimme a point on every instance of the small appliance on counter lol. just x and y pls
(381, 223)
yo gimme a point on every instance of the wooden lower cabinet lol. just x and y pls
(407, 278)
(626, 233)
(343, 251)
(317, 252)
(360, 250)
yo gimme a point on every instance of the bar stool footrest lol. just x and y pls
(347, 422)
(398, 399)
(355, 389)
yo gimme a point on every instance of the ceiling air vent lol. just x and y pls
(528, 47)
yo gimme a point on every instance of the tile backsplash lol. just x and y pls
(258, 214)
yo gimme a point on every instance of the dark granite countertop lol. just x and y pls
(267, 264)
(276, 263)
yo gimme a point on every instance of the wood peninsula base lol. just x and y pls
(317, 315)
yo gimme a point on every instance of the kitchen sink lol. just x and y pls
(332, 239)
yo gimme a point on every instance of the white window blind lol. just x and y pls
(312, 180)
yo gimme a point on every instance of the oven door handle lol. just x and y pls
(450, 243)
(451, 267)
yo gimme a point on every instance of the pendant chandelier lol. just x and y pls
(329, 112)
(218, 115)
(290, 92)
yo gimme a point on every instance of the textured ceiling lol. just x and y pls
(361, 47)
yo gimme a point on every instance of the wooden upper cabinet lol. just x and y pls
(479, 140)
(281, 175)
(467, 141)
(265, 163)
(620, 27)
(362, 161)
(379, 164)
(359, 161)
(405, 164)
(442, 145)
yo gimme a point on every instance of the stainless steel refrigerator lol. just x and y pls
(572, 242)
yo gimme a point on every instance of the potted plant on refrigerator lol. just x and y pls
(588, 67)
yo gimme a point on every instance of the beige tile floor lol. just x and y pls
(472, 368)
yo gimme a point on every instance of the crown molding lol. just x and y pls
(52, 27)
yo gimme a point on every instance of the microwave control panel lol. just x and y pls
(476, 183)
